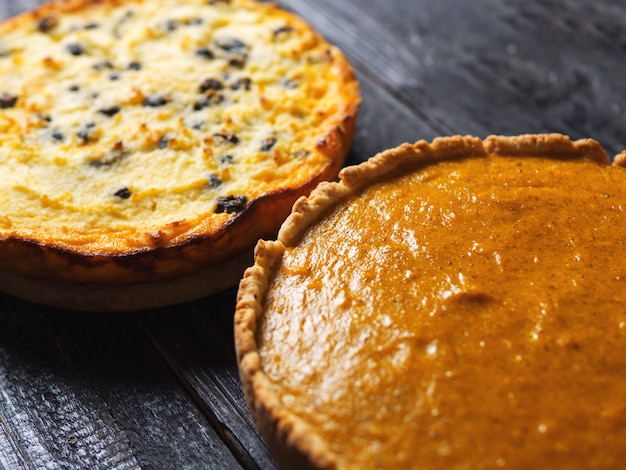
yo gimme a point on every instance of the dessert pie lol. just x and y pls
(455, 304)
(147, 142)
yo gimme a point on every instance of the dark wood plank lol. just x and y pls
(491, 66)
(160, 389)
(384, 122)
(200, 348)
(13, 7)
(90, 391)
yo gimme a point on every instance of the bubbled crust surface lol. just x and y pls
(295, 442)
(143, 140)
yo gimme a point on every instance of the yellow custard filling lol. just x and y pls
(467, 315)
(140, 117)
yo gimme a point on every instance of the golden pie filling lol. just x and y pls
(471, 314)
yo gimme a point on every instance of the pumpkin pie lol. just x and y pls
(458, 304)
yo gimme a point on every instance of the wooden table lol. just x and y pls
(160, 389)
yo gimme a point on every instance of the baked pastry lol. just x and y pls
(157, 141)
(458, 304)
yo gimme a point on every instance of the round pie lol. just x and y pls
(458, 304)
(146, 142)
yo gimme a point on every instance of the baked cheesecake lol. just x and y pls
(146, 145)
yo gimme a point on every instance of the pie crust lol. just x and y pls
(289, 342)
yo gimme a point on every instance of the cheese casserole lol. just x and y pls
(147, 140)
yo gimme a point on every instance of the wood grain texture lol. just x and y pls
(159, 389)
(200, 350)
(490, 66)
(91, 392)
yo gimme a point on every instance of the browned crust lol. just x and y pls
(294, 443)
(137, 296)
(620, 159)
(291, 440)
(260, 219)
(202, 246)
(552, 145)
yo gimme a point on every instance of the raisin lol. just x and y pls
(214, 181)
(225, 137)
(56, 135)
(154, 101)
(74, 88)
(47, 23)
(102, 65)
(112, 111)
(7, 101)
(75, 49)
(237, 59)
(163, 142)
(283, 30)
(134, 65)
(205, 52)
(123, 193)
(114, 76)
(210, 84)
(89, 26)
(267, 144)
(230, 44)
(230, 204)
(194, 21)
(226, 159)
(242, 83)
(85, 133)
(206, 101)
